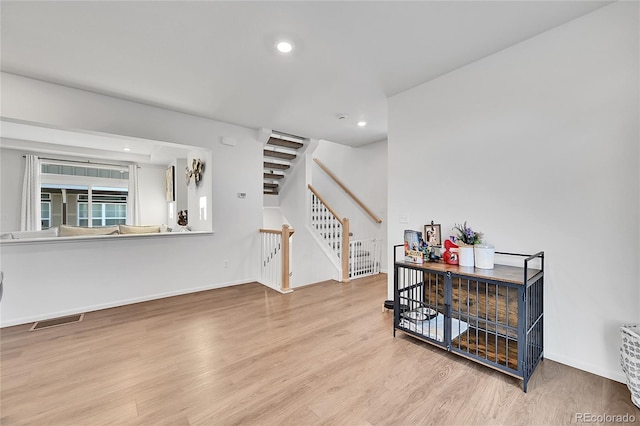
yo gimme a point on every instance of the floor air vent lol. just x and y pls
(39, 325)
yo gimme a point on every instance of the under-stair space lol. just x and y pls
(280, 155)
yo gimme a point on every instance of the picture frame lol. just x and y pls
(169, 184)
(432, 234)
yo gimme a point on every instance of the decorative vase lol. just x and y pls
(465, 255)
(484, 255)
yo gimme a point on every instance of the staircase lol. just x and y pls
(280, 154)
(355, 258)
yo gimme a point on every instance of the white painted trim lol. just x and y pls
(618, 376)
(116, 304)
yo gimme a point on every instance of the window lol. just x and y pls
(84, 195)
(107, 209)
(45, 210)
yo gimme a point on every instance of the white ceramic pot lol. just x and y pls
(465, 256)
(484, 255)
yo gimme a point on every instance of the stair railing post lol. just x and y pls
(345, 250)
(285, 257)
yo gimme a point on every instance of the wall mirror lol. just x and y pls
(83, 184)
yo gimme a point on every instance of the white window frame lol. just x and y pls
(91, 183)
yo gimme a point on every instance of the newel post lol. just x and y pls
(285, 257)
(345, 250)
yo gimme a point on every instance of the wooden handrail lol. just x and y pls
(349, 193)
(275, 231)
(333, 212)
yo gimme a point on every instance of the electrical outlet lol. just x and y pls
(404, 218)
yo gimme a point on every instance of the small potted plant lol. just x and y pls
(466, 239)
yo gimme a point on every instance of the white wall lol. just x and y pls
(537, 146)
(153, 204)
(363, 170)
(117, 271)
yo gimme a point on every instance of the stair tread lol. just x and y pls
(272, 176)
(270, 185)
(277, 154)
(285, 143)
(275, 166)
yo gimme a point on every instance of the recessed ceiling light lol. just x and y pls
(127, 149)
(284, 46)
(362, 123)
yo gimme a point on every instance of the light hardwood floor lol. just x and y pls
(324, 354)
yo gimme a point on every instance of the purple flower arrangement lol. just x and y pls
(466, 235)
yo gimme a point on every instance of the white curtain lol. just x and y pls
(133, 199)
(30, 213)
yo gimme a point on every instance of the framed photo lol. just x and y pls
(432, 235)
(169, 184)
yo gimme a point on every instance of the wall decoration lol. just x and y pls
(169, 184)
(432, 235)
(196, 171)
(183, 218)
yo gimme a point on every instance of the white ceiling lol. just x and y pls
(216, 59)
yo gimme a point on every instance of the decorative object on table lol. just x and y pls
(432, 234)
(630, 359)
(183, 218)
(169, 184)
(484, 255)
(466, 239)
(434, 253)
(450, 255)
(414, 246)
(196, 171)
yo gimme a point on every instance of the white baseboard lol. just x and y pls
(617, 375)
(97, 307)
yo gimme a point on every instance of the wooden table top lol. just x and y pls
(504, 273)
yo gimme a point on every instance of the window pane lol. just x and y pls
(96, 222)
(83, 222)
